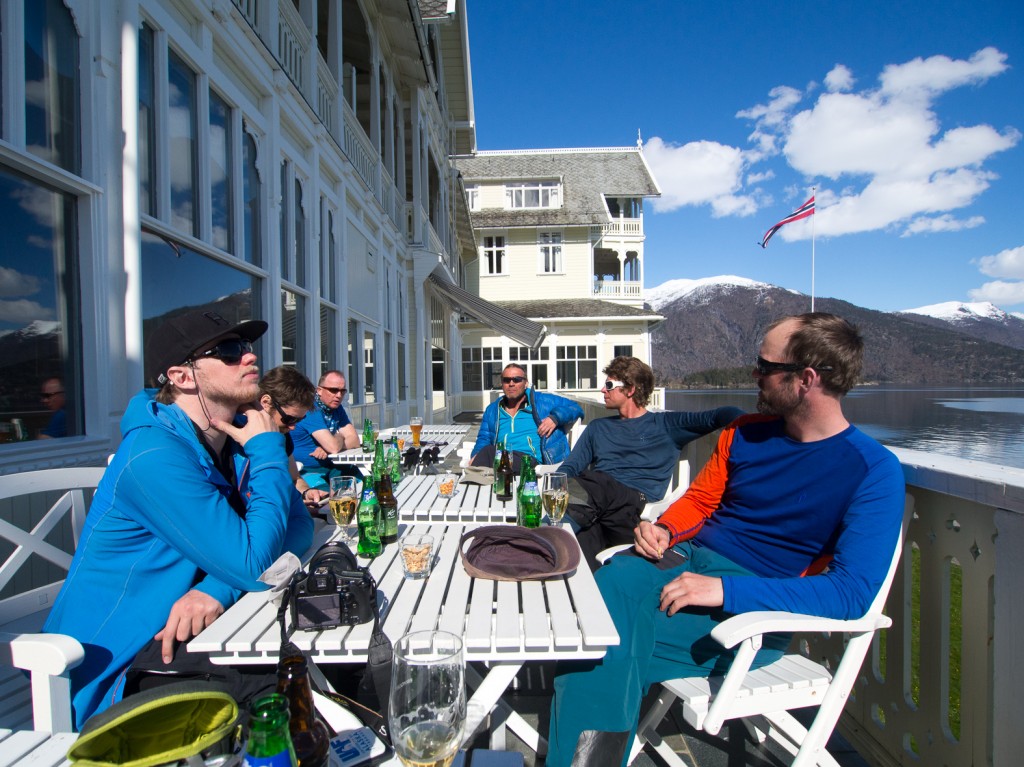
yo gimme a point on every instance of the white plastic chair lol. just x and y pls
(763, 697)
(48, 657)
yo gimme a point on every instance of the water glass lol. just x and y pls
(427, 711)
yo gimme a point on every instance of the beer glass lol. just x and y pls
(416, 426)
(555, 495)
(427, 712)
(343, 501)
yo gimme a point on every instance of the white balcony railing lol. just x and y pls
(358, 148)
(248, 9)
(618, 289)
(293, 44)
(326, 93)
(618, 227)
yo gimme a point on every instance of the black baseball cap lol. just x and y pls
(179, 338)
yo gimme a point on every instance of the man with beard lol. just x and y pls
(786, 493)
(191, 511)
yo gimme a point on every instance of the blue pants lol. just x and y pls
(606, 694)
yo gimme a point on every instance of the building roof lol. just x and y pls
(587, 176)
(568, 308)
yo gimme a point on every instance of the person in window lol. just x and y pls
(326, 429)
(786, 493)
(287, 396)
(533, 423)
(194, 506)
(52, 395)
(622, 462)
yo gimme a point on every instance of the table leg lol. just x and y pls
(486, 700)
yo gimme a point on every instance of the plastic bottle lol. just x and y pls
(270, 743)
(310, 738)
(388, 509)
(368, 519)
(529, 505)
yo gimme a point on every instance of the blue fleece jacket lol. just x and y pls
(161, 524)
(564, 412)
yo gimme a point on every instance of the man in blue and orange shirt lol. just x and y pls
(785, 493)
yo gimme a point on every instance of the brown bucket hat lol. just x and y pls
(513, 553)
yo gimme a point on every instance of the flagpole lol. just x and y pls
(813, 189)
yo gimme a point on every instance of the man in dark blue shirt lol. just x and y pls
(622, 462)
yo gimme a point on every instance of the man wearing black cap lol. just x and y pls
(193, 508)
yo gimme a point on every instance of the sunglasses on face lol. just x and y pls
(229, 352)
(612, 385)
(334, 389)
(513, 379)
(286, 420)
(764, 367)
(50, 395)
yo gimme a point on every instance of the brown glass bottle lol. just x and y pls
(506, 475)
(388, 509)
(310, 736)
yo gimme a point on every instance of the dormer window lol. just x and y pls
(533, 194)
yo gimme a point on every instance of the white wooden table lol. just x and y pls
(447, 437)
(29, 747)
(419, 501)
(504, 624)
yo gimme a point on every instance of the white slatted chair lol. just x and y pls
(43, 702)
(764, 697)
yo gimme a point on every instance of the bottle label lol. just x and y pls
(283, 759)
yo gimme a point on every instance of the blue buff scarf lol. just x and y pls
(331, 417)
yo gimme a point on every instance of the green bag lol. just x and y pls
(186, 722)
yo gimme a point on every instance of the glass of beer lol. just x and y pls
(343, 501)
(416, 426)
(555, 495)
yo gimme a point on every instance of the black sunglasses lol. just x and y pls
(764, 367)
(50, 394)
(286, 420)
(513, 379)
(229, 352)
(334, 389)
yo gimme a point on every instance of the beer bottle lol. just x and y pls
(368, 520)
(367, 435)
(507, 478)
(530, 506)
(388, 509)
(498, 482)
(270, 743)
(310, 738)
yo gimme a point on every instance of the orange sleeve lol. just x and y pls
(685, 517)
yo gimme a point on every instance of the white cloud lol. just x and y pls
(839, 79)
(999, 293)
(757, 178)
(1006, 263)
(899, 167)
(14, 283)
(23, 311)
(699, 173)
(943, 223)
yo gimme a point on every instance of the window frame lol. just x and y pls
(549, 250)
(518, 195)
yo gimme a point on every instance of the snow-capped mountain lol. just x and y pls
(979, 319)
(671, 291)
(957, 311)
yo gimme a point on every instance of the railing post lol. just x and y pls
(1008, 676)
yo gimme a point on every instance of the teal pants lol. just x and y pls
(605, 695)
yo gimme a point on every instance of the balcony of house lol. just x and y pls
(623, 227)
(941, 683)
(617, 274)
(344, 116)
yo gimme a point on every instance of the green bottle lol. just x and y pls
(367, 445)
(394, 461)
(378, 467)
(529, 502)
(499, 480)
(368, 520)
(388, 510)
(270, 744)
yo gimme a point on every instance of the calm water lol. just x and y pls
(978, 423)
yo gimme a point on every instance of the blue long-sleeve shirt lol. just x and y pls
(643, 452)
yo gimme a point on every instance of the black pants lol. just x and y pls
(605, 510)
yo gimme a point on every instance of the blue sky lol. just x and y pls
(907, 117)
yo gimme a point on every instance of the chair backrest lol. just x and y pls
(878, 603)
(39, 564)
(576, 432)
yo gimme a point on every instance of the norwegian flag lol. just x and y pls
(805, 210)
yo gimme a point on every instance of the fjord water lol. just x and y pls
(981, 424)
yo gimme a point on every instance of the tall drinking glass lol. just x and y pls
(343, 501)
(416, 426)
(427, 712)
(555, 495)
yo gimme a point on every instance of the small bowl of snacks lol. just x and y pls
(446, 485)
(417, 555)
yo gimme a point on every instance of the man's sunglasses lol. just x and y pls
(612, 385)
(229, 352)
(286, 420)
(334, 389)
(513, 379)
(50, 394)
(764, 367)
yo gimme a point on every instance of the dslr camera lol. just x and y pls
(333, 591)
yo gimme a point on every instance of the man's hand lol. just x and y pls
(319, 453)
(690, 589)
(650, 540)
(257, 421)
(313, 496)
(546, 427)
(189, 616)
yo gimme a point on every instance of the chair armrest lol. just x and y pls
(50, 654)
(731, 632)
(606, 554)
